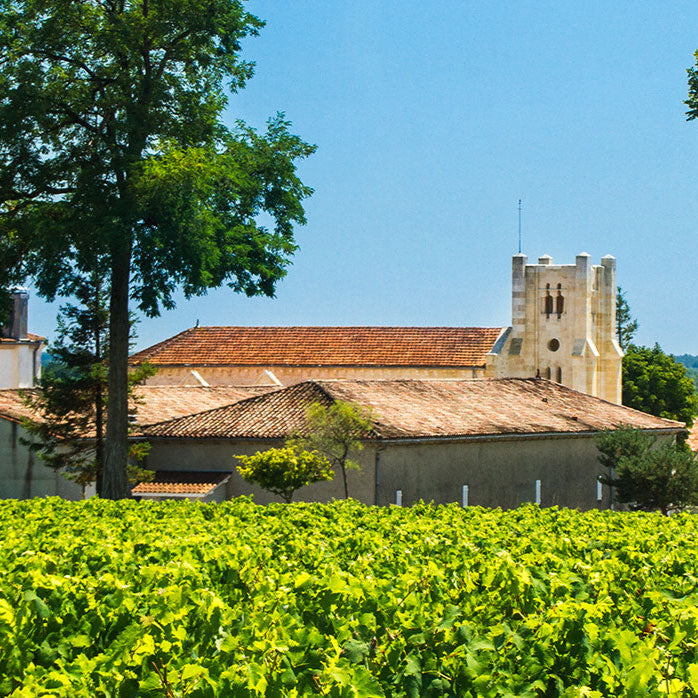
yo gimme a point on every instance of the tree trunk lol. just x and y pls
(114, 482)
(99, 413)
(99, 436)
(344, 476)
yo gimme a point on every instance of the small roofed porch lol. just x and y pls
(194, 486)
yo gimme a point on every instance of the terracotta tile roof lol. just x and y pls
(169, 483)
(29, 338)
(324, 346)
(12, 406)
(419, 409)
(155, 403)
(159, 403)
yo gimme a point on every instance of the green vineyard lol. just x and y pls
(177, 599)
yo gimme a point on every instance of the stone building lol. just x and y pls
(20, 351)
(24, 475)
(499, 442)
(563, 326)
(563, 329)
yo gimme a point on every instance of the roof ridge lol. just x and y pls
(213, 409)
(341, 327)
(160, 345)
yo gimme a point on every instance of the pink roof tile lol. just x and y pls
(153, 403)
(419, 409)
(180, 483)
(324, 346)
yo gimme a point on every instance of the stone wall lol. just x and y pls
(498, 472)
(290, 375)
(22, 473)
(563, 326)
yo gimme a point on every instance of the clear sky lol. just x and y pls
(432, 119)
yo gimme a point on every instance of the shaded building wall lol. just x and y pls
(22, 473)
(497, 472)
(218, 455)
(290, 375)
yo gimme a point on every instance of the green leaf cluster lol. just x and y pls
(102, 598)
(115, 158)
(285, 470)
(646, 474)
(654, 382)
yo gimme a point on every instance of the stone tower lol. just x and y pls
(563, 326)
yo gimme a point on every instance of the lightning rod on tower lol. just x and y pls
(519, 226)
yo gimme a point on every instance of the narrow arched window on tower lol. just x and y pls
(558, 374)
(548, 301)
(546, 373)
(559, 302)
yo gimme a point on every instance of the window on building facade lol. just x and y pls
(559, 302)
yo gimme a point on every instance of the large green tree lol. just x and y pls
(656, 383)
(68, 430)
(112, 146)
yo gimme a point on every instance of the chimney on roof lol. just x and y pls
(16, 327)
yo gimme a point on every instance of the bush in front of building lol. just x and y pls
(282, 471)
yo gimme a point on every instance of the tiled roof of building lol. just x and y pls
(12, 406)
(158, 403)
(154, 403)
(29, 338)
(185, 484)
(420, 409)
(324, 346)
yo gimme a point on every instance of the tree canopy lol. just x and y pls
(282, 471)
(645, 474)
(114, 155)
(656, 383)
(336, 432)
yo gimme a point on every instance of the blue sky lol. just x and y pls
(432, 119)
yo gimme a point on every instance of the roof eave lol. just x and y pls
(509, 436)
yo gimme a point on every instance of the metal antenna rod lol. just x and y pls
(519, 226)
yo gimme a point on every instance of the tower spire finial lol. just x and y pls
(519, 226)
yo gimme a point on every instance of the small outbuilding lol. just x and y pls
(497, 442)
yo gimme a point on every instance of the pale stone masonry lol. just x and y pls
(563, 326)
(20, 351)
(562, 329)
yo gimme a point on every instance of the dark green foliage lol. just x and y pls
(626, 325)
(112, 148)
(615, 444)
(692, 101)
(69, 403)
(648, 475)
(690, 361)
(654, 382)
